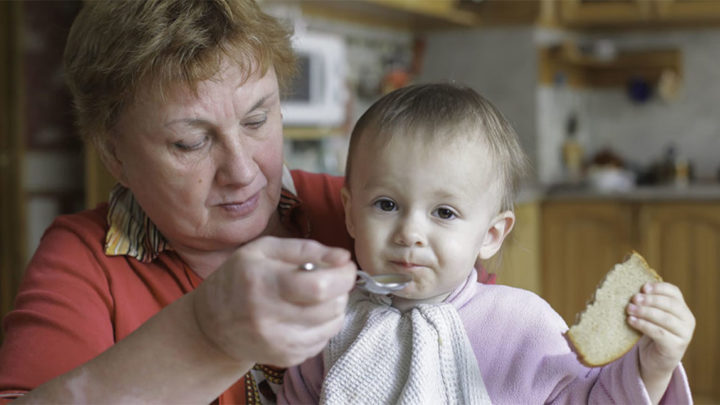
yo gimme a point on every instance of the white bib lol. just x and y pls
(383, 356)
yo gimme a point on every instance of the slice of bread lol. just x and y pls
(601, 333)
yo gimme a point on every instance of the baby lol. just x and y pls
(430, 182)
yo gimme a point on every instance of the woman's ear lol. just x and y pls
(499, 228)
(107, 151)
(345, 195)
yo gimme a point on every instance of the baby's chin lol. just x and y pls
(407, 295)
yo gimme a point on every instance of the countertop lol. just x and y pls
(660, 193)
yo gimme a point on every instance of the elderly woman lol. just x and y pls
(177, 288)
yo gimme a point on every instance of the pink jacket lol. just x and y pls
(523, 356)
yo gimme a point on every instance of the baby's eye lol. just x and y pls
(445, 213)
(385, 204)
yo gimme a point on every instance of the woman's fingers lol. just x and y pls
(313, 287)
(260, 306)
(334, 273)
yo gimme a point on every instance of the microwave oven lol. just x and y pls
(318, 94)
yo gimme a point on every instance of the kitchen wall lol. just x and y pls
(501, 63)
(692, 122)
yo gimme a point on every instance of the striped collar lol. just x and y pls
(132, 233)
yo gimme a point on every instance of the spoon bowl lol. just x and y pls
(383, 283)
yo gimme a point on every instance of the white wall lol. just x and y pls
(500, 63)
(692, 123)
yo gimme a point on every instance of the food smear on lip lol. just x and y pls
(392, 278)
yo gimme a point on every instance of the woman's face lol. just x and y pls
(206, 167)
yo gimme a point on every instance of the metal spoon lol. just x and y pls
(382, 283)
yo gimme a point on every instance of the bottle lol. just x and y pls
(572, 151)
(682, 172)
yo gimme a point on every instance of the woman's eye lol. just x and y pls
(445, 213)
(385, 205)
(190, 146)
(256, 122)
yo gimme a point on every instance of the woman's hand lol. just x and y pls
(660, 312)
(259, 307)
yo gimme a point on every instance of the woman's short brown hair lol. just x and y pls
(117, 47)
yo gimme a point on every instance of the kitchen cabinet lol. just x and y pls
(518, 262)
(580, 242)
(682, 241)
(686, 12)
(586, 13)
(582, 239)
(630, 13)
(419, 15)
(402, 14)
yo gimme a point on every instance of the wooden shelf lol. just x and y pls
(311, 133)
(585, 71)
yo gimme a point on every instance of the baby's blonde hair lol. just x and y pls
(440, 111)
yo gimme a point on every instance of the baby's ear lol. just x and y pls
(499, 228)
(345, 195)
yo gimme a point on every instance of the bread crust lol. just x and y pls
(601, 333)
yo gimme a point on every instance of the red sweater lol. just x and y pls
(75, 302)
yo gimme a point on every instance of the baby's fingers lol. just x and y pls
(661, 310)
(669, 298)
(655, 322)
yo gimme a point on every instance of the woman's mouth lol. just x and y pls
(241, 208)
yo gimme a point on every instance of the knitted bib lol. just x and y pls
(383, 356)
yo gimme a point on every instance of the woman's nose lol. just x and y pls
(409, 233)
(236, 165)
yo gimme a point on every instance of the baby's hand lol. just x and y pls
(660, 312)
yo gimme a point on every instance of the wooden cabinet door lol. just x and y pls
(590, 13)
(682, 242)
(688, 11)
(518, 262)
(581, 241)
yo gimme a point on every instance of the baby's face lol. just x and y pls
(424, 210)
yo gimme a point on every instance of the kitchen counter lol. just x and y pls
(694, 192)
